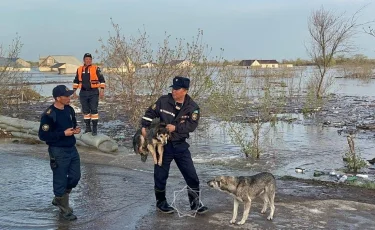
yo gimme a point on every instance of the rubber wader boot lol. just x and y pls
(94, 127)
(88, 125)
(63, 204)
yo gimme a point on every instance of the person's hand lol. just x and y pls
(144, 133)
(171, 128)
(101, 93)
(77, 130)
(69, 132)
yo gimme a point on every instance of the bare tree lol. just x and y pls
(331, 34)
(248, 119)
(370, 31)
(353, 161)
(139, 72)
(12, 78)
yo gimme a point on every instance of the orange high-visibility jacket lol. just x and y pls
(94, 80)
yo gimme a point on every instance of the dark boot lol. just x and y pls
(88, 125)
(161, 202)
(58, 201)
(94, 127)
(195, 203)
(67, 193)
(68, 216)
(63, 204)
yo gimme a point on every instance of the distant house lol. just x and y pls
(118, 66)
(180, 63)
(14, 64)
(63, 64)
(285, 65)
(260, 63)
(148, 65)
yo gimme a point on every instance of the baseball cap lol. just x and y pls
(61, 90)
(87, 55)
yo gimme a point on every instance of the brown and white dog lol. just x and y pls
(157, 136)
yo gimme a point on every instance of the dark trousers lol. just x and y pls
(184, 163)
(66, 171)
(90, 103)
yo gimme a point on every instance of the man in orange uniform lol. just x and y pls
(91, 83)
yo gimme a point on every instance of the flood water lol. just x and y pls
(105, 198)
(300, 144)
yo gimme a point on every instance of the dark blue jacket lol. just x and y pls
(54, 122)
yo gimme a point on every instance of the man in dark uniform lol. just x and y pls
(57, 128)
(181, 114)
(89, 80)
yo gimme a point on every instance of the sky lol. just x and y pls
(245, 29)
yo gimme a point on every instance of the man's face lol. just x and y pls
(65, 100)
(179, 94)
(87, 61)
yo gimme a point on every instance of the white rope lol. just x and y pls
(178, 196)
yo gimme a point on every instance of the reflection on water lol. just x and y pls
(289, 146)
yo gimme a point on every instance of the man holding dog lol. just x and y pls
(181, 114)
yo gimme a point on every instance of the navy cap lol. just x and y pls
(180, 82)
(87, 55)
(61, 90)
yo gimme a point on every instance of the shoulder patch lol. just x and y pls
(48, 111)
(194, 116)
(45, 127)
(153, 107)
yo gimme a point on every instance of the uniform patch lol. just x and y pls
(45, 127)
(194, 116)
(48, 111)
(153, 106)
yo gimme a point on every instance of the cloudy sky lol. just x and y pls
(246, 29)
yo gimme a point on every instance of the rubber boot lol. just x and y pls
(67, 193)
(63, 204)
(58, 201)
(88, 125)
(195, 203)
(68, 215)
(161, 202)
(94, 127)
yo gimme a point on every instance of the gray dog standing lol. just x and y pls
(244, 189)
